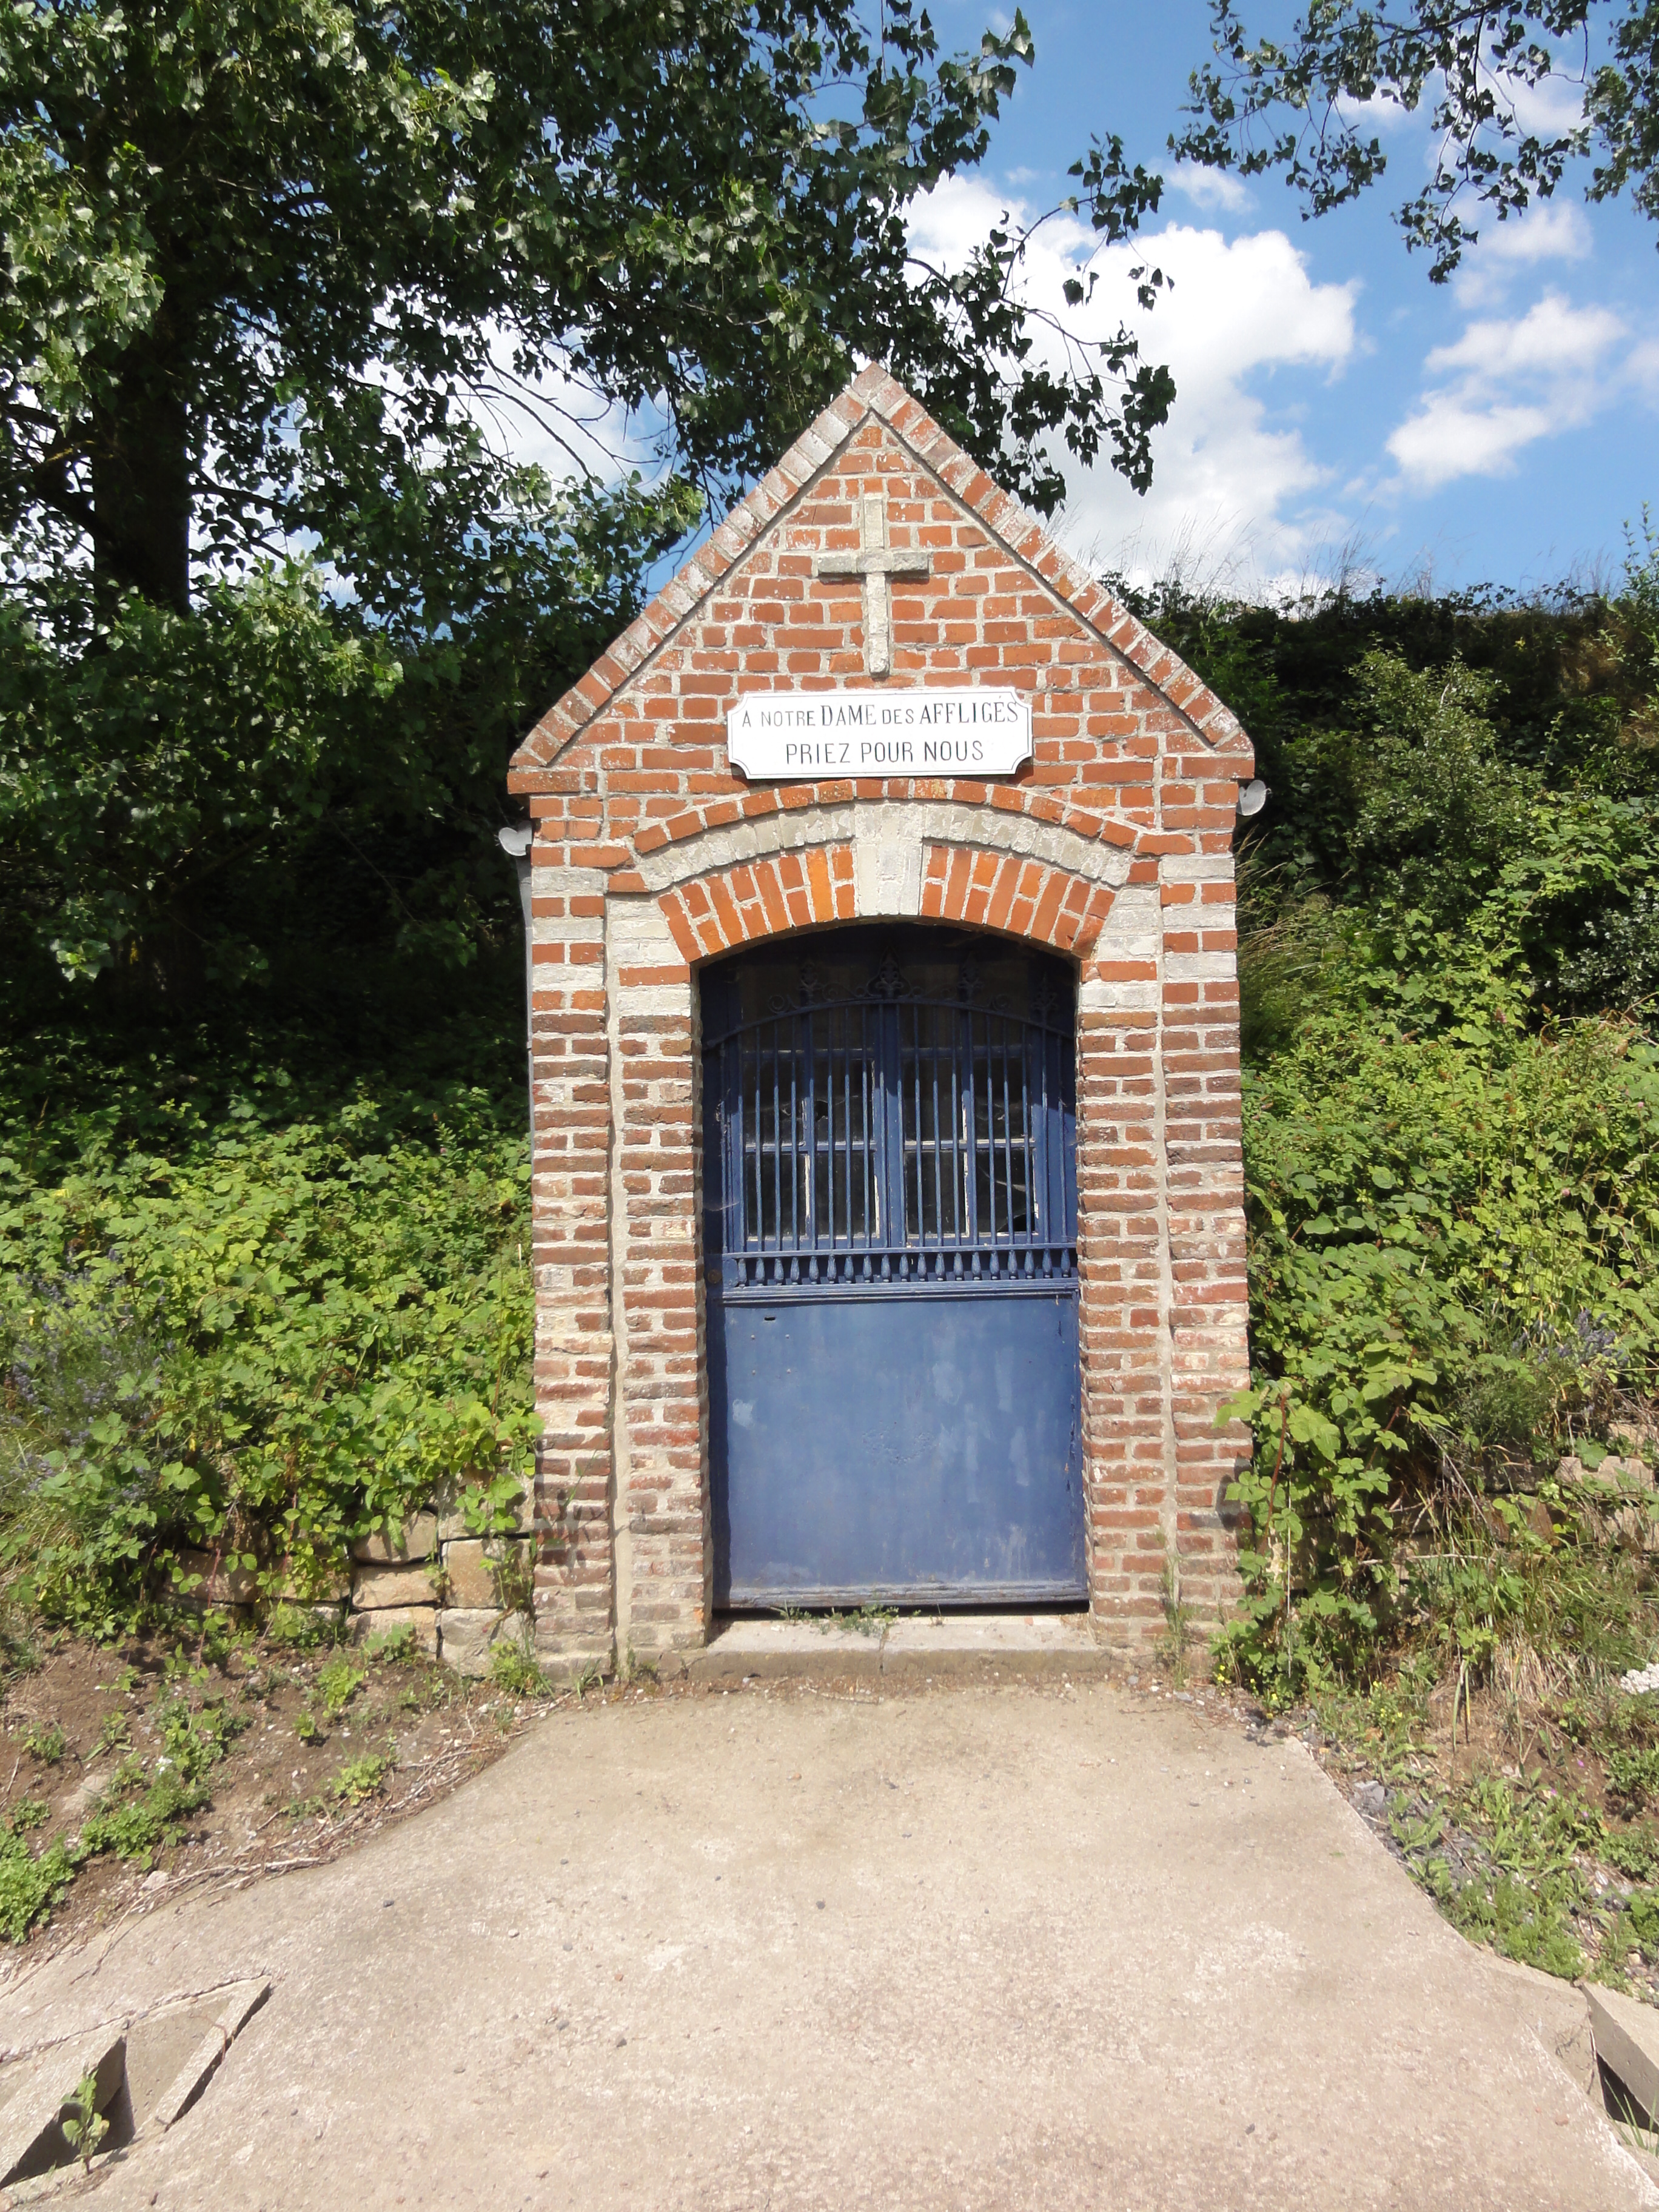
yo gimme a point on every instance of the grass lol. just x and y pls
(1519, 1774)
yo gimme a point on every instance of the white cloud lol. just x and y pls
(1509, 382)
(1547, 232)
(1234, 478)
(1209, 188)
(1550, 230)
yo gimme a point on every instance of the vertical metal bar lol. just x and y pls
(794, 1131)
(971, 1108)
(1007, 1133)
(829, 1121)
(938, 1209)
(915, 1099)
(752, 1229)
(871, 1213)
(777, 1146)
(732, 1094)
(809, 1131)
(963, 1129)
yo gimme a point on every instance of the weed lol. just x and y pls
(361, 1779)
(196, 1739)
(1633, 1775)
(339, 1682)
(1177, 1623)
(513, 1669)
(871, 1619)
(1633, 1852)
(82, 2123)
(30, 1886)
(116, 1734)
(137, 1830)
(389, 1646)
(305, 1727)
(1637, 1924)
(46, 1742)
(297, 1627)
(28, 1812)
(1518, 1919)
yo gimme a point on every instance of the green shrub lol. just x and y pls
(1455, 1247)
(258, 1339)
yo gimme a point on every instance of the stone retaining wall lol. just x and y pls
(460, 1594)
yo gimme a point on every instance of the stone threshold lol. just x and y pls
(914, 1647)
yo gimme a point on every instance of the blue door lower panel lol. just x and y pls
(920, 1448)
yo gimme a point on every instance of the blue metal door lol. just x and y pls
(891, 1228)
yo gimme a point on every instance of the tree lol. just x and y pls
(280, 275)
(273, 267)
(1470, 66)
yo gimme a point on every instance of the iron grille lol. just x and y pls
(875, 1131)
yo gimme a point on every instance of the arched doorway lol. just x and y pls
(890, 1250)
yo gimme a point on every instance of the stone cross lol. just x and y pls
(873, 564)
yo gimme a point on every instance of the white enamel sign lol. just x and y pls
(775, 736)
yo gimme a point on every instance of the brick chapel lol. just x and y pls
(888, 1236)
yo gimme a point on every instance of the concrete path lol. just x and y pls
(981, 1947)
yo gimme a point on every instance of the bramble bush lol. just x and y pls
(1452, 1188)
(271, 1321)
(1454, 1249)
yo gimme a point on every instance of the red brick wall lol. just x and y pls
(1112, 845)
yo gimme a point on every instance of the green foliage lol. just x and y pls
(513, 1669)
(1453, 1190)
(146, 1811)
(1633, 1775)
(361, 1779)
(1518, 1919)
(1453, 1244)
(129, 773)
(1318, 92)
(257, 1339)
(136, 1831)
(84, 2126)
(698, 207)
(1503, 1863)
(29, 1885)
(1416, 790)
(387, 1647)
(297, 1626)
(44, 1741)
(339, 1682)
(1633, 1850)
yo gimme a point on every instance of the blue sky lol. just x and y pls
(1501, 429)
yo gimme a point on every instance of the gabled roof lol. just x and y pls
(874, 394)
